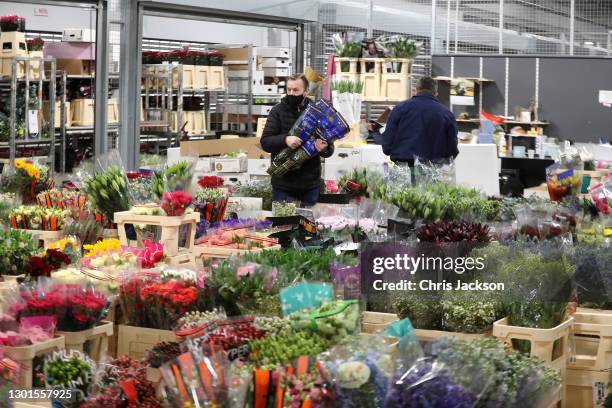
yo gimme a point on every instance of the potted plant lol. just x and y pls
(201, 58)
(35, 44)
(215, 58)
(12, 23)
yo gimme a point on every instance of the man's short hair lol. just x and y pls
(298, 77)
(427, 83)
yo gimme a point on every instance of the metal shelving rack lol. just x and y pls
(45, 76)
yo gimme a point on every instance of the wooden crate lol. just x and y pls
(200, 76)
(95, 340)
(373, 322)
(372, 81)
(112, 111)
(35, 66)
(586, 388)
(432, 335)
(215, 252)
(13, 45)
(542, 344)
(76, 66)
(184, 258)
(395, 80)
(261, 125)
(593, 339)
(196, 122)
(57, 113)
(45, 238)
(25, 355)
(82, 112)
(136, 341)
(169, 228)
(215, 78)
(353, 138)
(188, 74)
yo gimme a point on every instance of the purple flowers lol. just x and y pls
(427, 385)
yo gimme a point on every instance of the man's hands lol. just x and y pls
(293, 142)
(320, 145)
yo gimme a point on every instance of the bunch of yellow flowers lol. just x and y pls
(61, 244)
(102, 247)
(32, 170)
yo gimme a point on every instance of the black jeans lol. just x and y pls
(306, 198)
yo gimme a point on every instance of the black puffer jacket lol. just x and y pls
(280, 120)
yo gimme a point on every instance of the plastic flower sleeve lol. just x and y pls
(434, 170)
(358, 371)
(332, 320)
(107, 188)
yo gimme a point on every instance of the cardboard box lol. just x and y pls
(79, 35)
(234, 178)
(77, 66)
(247, 203)
(230, 165)
(136, 341)
(258, 167)
(265, 89)
(261, 125)
(276, 63)
(276, 72)
(263, 110)
(274, 52)
(203, 165)
(256, 177)
(217, 147)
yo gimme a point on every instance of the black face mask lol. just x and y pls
(295, 100)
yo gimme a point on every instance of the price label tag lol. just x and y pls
(33, 122)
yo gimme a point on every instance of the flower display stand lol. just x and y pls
(215, 78)
(82, 111)
(346, 69)
(542, 345)
(170, 227)
(24, 356)
(136, 341)
(587, 388)
(372, 81)
(374, 322)
(45, 238)
(395, 82)
(95, 340)
(593, 337)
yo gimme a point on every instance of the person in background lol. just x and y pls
(302, 184)
(420, 127)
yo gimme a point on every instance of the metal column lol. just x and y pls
(501, 27)
(129, 85)
(299, 48)
(572, 26)
(432, 41)
(101, 82)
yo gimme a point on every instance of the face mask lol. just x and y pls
(295, 100)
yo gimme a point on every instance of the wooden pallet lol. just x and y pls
(24, 356)
(94, 339)
(136, 341)
(170, 227)
(593, 338)
(374, 322)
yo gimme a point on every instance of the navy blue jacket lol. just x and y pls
(420, 127)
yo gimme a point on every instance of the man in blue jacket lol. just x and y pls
(420, 127)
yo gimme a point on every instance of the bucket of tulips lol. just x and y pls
(175, 203)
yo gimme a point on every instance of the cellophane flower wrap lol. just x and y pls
(150, 300)
(75, 307)
(358, 371)
(175, 203)
(176, 177)
(122, 382)
(318, 121)
(211, 204)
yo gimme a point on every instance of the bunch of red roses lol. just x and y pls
(52, 260)
(156, 303)
(74, 307)
(211, 182)
(175, 203)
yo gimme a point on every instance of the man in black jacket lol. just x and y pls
(304, 183)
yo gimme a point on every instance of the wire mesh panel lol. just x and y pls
(593, 32)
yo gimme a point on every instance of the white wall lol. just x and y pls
(204, 31)
(58, 18)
